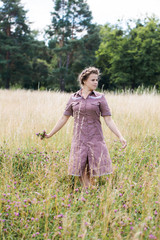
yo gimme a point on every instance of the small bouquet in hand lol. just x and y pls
(41, 135)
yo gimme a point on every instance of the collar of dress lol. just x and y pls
(79, 92)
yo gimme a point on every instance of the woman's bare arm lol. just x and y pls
(62, 121)
(112, 126)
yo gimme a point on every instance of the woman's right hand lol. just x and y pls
(47, 136)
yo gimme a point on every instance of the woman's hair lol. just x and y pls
(85, 74)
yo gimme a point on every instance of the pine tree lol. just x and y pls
(71, 19)
(14, 39)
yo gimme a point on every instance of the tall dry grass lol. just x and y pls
(39, 200)
(23, 113)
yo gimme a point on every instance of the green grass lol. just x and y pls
(39, 200)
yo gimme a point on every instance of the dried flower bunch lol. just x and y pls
(41, 135)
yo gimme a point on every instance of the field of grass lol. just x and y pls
(39, 200)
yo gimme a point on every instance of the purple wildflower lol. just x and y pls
(151, 236)
(155, 212)
(83, 199)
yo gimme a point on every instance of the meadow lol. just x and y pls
(39, 200)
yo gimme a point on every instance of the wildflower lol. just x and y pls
(83, 199)
(131, 228)
(155, 212)
(33, 235)
(54, 196)
(151, 236)
(115, 210)
(80, 236)
(60, 227)
(41, 135)
(16, 214)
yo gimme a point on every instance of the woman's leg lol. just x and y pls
(85, 179)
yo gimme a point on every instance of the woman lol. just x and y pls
(89, 155)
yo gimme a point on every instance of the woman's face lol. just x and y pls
(92, 82)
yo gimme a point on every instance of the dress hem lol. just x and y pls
(92, 175)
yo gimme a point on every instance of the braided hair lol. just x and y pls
(85, 74)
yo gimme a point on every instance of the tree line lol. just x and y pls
(127, 58)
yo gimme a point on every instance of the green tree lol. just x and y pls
(69, 19)
(131, 58)
(107, 54)
(84, 55)
(40, 58)
(15, 35)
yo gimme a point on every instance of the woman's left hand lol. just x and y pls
(123, 141)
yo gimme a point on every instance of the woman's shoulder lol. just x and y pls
(76, 95)
(99, 95)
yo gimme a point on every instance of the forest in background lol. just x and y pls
(127, 58)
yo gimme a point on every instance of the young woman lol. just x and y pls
(89, 155)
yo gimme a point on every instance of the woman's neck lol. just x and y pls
(86, 91)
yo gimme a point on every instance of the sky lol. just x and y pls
(103, 11)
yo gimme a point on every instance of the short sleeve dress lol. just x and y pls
(88, 148)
